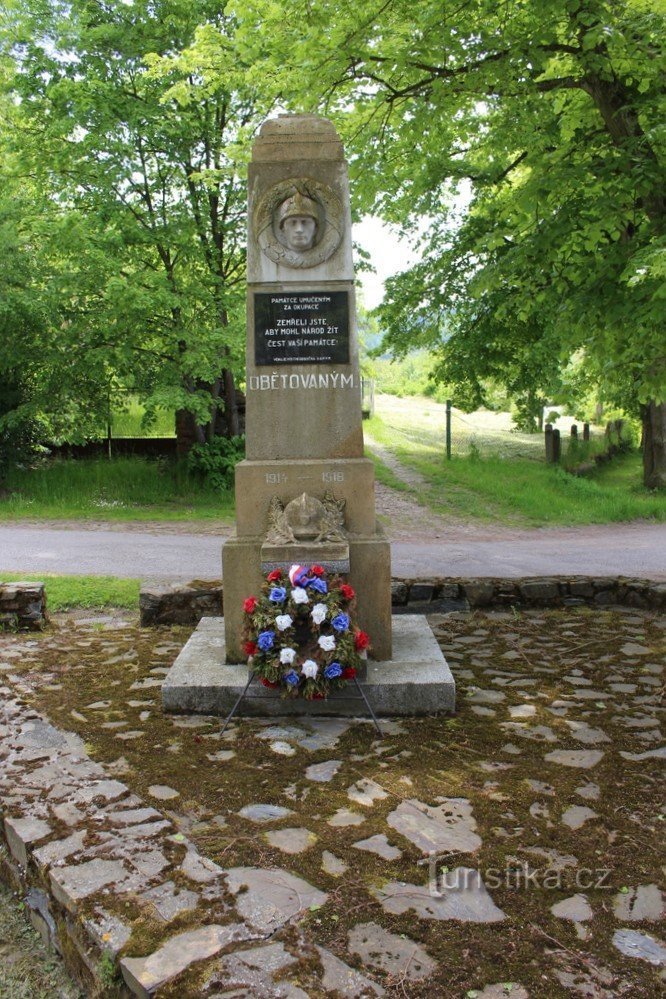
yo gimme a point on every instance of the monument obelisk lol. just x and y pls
(304, 438)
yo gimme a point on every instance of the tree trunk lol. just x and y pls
(653, 416)
(187, 432)
(230, 404)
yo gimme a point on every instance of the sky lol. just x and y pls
(388, 255)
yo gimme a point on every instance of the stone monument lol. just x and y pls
(305, 492)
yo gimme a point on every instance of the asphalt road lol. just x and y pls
(609, 550)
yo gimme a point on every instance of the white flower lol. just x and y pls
(287, 656)
(327, 643)
(299, 595)
(309, 668)
(318, 613)
(283, 621)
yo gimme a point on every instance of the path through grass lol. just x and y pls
(513, 489)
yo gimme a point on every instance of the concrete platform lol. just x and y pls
(417, 681)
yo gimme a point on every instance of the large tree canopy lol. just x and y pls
(553, 116)
(144, 167)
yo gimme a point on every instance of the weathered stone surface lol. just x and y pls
(635, 944)
(502, 990)
(522, 710)
(476, 696)
(650, 754)
(461, 895)
(180, 603)
(323, 772)
(643, 903)
(394, 954)
(345, 817)
(577, 815)
(539, 591)
(144, 975)
(583, 733)
(198, 868)
(577, 909)
(583, 758)
(332, 864)
(399, 593)
(269, 898)
(380, 845)
(162, 792)
(479, 592)
(71, 884)
(60, 849)
(22, 605)
(590, 792)
(366, 792)
(423, 590)
(108, 931)
(169, 900)
(339, 978)
(291, 840)
(448, 827)
(39, 914)
(264, 813)
(21, 833)
(260, 970)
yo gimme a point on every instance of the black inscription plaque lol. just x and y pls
(301, 328)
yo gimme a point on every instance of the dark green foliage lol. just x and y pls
(214, 462)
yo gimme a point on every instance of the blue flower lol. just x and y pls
(340, 622)
(265, 640)
(333, 670)
(291, 678)
(318, 585)
(277, 595)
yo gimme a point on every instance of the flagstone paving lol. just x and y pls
(513, 849)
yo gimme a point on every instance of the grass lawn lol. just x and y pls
(495, 474)
(68, 592)
(519, 490)
(120, 489)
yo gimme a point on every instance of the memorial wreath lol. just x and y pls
(300, 636)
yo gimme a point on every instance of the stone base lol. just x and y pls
(416, 681)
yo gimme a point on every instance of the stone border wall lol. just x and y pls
(432, 595)
(22, 606)
(187, 604)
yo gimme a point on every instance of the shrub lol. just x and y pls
(214, 462)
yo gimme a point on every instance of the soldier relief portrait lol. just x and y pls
(298, 223)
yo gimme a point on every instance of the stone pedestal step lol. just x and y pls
(416, 681)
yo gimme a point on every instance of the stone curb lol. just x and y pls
(85, 853)
(89, 859)
(178, 604)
